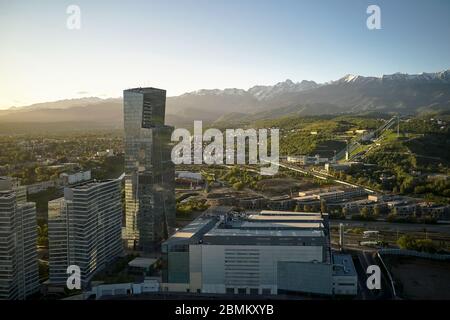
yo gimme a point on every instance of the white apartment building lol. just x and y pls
(68, 179)
(85, 229)
(19, 273)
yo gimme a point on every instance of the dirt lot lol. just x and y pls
(419, 278)
(282, 186)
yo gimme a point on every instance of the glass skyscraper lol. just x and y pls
(149, 170)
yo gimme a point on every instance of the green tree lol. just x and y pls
(377, 210)
(364, 211)
(238, 185)
(407, 242)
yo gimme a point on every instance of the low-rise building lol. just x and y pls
(307, 160)
(281, 203)
(103, 291)
(338, 167)
(252, 203)
(345, 278)
(141, 265)
(220, 200)
(267, 253)
(332, 194)
(187, 175)
(68, 179)
(441, 212)
(347, 193)
(402, 209)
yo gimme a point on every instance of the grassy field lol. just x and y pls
(328, 147)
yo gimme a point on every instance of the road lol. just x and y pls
(362, 260)
(390, 226)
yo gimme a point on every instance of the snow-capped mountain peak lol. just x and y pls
(217, 92)
(443, 76)
(267, 92)
(350, 78)
(288, 86)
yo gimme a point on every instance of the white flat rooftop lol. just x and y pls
(282, 225)
(264, 233)
(288, 213)
(140, 262)
(255, 217)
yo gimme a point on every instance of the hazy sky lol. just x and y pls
(192, 44)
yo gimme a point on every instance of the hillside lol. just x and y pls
(397, 93)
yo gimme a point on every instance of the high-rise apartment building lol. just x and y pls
(19, 273)
(84, 229)
(149, 170)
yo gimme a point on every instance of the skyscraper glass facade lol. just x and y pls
(149, 170)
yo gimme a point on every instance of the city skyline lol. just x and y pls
(224, 157)
(295, 40)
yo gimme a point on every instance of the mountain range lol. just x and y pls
(397, 93)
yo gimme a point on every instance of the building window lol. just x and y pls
(253, 291)
(229, 290)
(242, 291)
(266, 291)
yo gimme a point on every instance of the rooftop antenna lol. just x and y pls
(341, 237)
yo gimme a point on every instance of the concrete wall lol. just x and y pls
(305, 277)
(178, 267)
(195, 267)
(249, 266)
(345, 285)
(122, 289)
